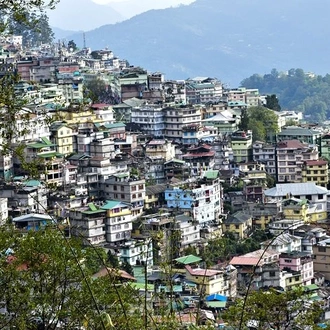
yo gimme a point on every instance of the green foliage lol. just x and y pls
(262, 122)
(72, 44)
(272, 102)
(275, 310)
(244, 122)
(95, 259)
(127, 268)
(98, 92)
(113, 260)
(296, 90)
(225, 247)
(27, 13)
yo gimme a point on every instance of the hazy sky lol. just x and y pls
(90, 14)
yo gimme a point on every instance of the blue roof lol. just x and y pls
(113, 205)
(217, 297)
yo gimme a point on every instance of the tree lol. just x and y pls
(26, 12)
(44, 280)
(244, 122)
(274, 309)
(72, 45)
(272, 102)
(98, 92)
(263, 122)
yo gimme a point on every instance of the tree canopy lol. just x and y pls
(262, 122)
(272, 309)
(296, 90)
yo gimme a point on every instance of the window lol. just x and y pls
(322, 249)
(272, 274)
(114, 187)
(287, 261)
(319, 196)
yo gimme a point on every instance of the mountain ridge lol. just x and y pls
(227, 39)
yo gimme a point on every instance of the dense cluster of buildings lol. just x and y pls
(165, 165)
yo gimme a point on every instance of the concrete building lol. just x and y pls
(88, 223)
(241, 144)
(118, 222)
(265, 153)
(128, 189)
(291, 155)
(178, 117)
(321, 253)
(316, 171)
(150, 118)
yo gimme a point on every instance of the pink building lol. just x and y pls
(298, 262)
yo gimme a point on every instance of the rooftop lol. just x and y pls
(295, 189)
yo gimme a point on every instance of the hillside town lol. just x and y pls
(159, 169)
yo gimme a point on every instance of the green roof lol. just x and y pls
(311, 287)
(110, 205)
(211, 175)
(50, 154)
(39, 145)
(32, 183)
(141, 286)
(187, 260)
(92, 207)
(46, 141)
(216, 304)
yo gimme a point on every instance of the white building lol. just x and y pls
(137, 252)
(150, 118)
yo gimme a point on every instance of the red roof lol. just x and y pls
(106, 271)
(246, 261)
(291, 144)
(203, 146)
(100, 105)
(202, 272)
(199, 154)
(316, 162)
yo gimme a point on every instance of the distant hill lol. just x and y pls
(228, 39)
(79, 15)
(63, 34)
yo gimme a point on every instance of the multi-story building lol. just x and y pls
(203, 198)
(194, 133)
(241, 144)
(325, 146)
(88, 223)
(225, 122)
(118, 222)
(177, 117)
(3, 210)
(126, 188)
(298, 263)
(150, 118)
(304, 135)
(137, 252)
(199, 158)
(160, 149)
(314, 194)
(321, 253)
(201, 90)
(316, 171)
(291, 155)
(62, 137)
(239, 223)
(265, 153)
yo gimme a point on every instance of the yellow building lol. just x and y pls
(62, 136)
(316, 171)
(241, 144)
(299, 209)
(209, 281)
(239, 223)
(295, 209)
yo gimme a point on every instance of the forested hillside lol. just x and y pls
(296, 90)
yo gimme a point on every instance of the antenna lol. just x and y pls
(84, 38)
